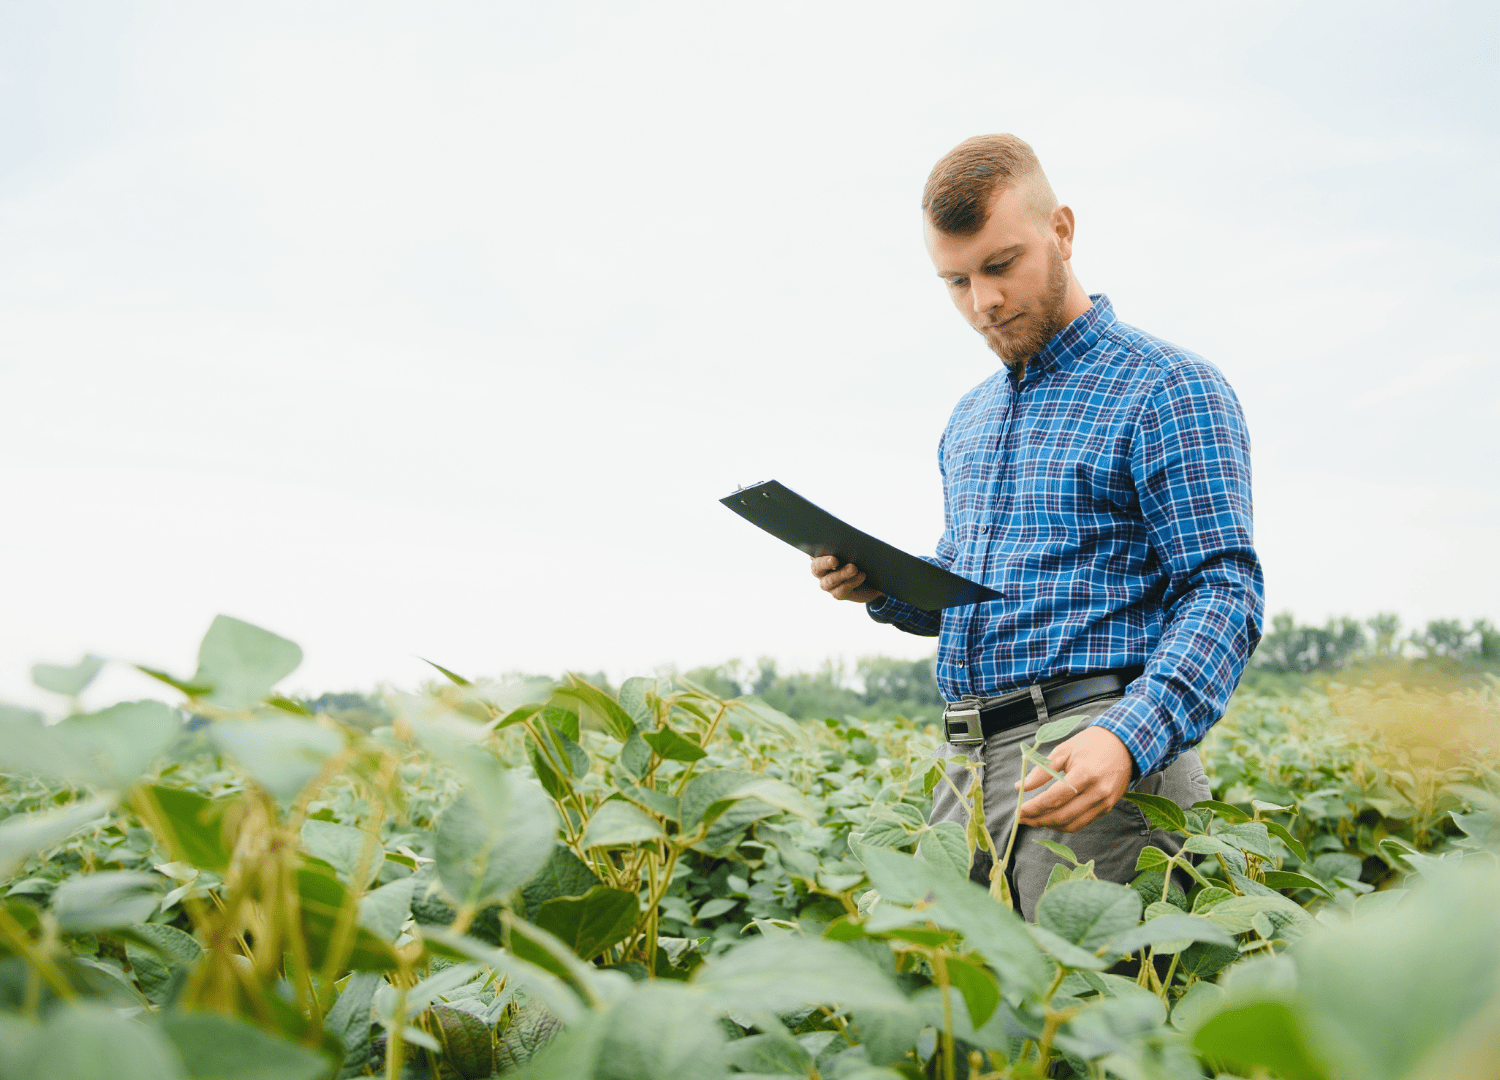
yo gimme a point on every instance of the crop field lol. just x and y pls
(667, 883)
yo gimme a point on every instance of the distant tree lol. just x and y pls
(1386, 626)
(1448, 637)
(1489, 640)
(1289, 647)
(899, 681)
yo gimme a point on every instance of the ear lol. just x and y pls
(1061, 224)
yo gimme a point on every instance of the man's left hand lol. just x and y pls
(1097, 765)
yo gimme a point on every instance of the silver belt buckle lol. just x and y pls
(962, 725)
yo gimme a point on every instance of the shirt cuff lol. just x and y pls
(1133, 720)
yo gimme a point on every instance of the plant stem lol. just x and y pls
(395, 1046)
(940, 969)
(20, 942)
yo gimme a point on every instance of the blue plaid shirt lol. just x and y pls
(1107, 496)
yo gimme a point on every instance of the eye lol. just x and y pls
(957, 283)
(999, 268)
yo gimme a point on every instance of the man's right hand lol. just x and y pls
(846, 582)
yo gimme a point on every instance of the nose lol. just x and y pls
(986, 296)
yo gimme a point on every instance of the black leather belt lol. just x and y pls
(969, 722)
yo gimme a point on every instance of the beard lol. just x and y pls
(1041, 324)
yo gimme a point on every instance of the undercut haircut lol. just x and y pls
(962, 185)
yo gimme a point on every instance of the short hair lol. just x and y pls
(961, 186)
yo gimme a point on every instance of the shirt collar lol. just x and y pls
(1073, 341)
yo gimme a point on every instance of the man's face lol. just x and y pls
(1010, 279)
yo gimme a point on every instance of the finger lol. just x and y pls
(1070, 814)
(824, 563)
(843, 591)
(834, 578)
(1038, 806)
(1035, 779)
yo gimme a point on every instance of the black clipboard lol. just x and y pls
(810, 529)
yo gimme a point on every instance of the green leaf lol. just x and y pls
(110, 748)
(457, 680)
(1204, 959)
(1232, 814)
(1053, 730)
(563, 874)
(159, 956)
(384, 911)
(672, 746)
(1441, 947)
(215, 1047)
(772, 1053)
(1200, 1002)
(24, 835)
(980, 991)
(491, 841)
(617, 823)
(991, 929)
(657, 1031)
(69, 680)
(1250, 836)
(192, 826)
(349, 1020)
(1152, 858)
(1292, 843)
(1285, 879)
(321, 897)
(1089, 913)
(635, 755)
(945, 848)
(778, 974)
(1260, 1034)
(282, 754)
(537, 981)
(591, 923)
(1208, 899)
(1237, 914)
(633, 700)
(615, 719)
(105, 900)
(1159, 810)
(1211, 845)
(563, 720)
(712, 792)
(1169, 928)
(242, 662)
(191, 689)
(341, 847)
(1067, 852)
(1332, 865)
(92, 1042)
(1065, 952)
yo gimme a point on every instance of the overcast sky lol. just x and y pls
(438, 329)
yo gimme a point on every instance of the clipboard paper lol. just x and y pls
(787, 516)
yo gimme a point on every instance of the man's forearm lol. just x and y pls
(1207, 640)
(904, 616)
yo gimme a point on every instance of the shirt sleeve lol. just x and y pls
(904, 616)
(1191, 466)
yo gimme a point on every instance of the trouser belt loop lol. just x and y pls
(1039, 701)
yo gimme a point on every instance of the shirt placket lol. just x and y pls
(993, 505)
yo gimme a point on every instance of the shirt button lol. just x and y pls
(958, 663)
(984, 528)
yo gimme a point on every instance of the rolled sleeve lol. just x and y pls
(904, 616)
(1191, 464)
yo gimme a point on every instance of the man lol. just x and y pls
(1101, 482)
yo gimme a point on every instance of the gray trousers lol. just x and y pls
(1113, 841)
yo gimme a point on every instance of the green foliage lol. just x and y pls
(547, 879)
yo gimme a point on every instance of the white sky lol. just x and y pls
(438, 329)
